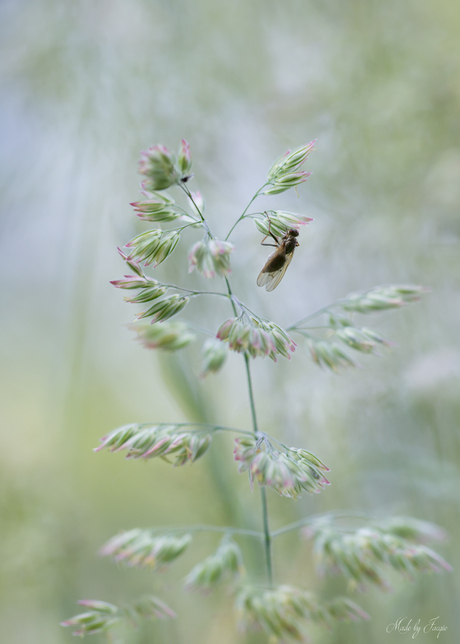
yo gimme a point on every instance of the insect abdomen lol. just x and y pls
(275, 263)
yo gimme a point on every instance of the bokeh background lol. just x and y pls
(85, 86)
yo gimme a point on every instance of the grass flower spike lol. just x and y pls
(226, 562)
(259, 339)
(284, 344)
(158, 207)
(383, 298)
(159, 167)
(184, 161)
(284, 612)
(245, 338)
(102, 616)
(291, 161)
(168, 336)
(363, 553)
(214, 355)
(362, 339)
(285, 173)
(143, 549)
(163, 309)
(168, 441)
(134, 282)
(153, 246)
(147, 295)
(211, 258)
(279, 222)
(288, 472)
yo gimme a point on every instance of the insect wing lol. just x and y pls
(271, 280)
(265, 276)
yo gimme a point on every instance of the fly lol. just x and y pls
(276, 265)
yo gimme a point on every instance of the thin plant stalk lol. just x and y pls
(267, 536)
(245, 211)
(263, 493)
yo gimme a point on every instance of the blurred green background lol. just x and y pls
(85, 86)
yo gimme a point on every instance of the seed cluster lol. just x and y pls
(287, 472)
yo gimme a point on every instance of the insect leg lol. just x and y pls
(271, 234)
(262, 242)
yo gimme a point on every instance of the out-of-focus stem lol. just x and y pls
(210, 528)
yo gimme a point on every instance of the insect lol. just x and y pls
(276, 265)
